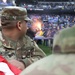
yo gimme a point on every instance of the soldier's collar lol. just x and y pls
(8, 43)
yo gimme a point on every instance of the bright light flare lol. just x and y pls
(5, 1)
(37, 24)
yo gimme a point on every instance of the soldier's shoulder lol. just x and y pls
(28, 38)
(51, 65)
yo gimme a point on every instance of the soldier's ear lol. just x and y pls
(19, 25)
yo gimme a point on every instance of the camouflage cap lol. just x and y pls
(64, 41)
(14, 13)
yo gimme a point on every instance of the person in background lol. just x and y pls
(37, 26)
(30, 33)
(61, 61)
(15, 46)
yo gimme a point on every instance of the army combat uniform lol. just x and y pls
(25, 49)
(62, 61)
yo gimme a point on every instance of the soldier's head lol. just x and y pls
(14, 17)
(64, 41)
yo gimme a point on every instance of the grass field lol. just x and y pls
(46, 49)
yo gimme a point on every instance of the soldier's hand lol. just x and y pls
(17, 64)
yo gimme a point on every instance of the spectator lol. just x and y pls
(30, 33)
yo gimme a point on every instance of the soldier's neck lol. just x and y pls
(10, 34)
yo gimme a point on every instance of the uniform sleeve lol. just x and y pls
(36, 54)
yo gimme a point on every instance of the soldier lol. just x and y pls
(15, 46)
(61, 62)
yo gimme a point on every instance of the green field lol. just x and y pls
(46, 49)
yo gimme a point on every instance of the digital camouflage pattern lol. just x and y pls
(25, 49)
(61, 62)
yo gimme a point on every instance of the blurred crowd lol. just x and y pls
(50, 5)
(54, 23)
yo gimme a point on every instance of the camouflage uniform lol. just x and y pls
(61, 62)
(24, 49)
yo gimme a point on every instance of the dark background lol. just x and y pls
(36, 1)
(55, 11)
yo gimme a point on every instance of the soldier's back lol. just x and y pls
(55, 64)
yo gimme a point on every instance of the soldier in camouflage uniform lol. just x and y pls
(15, 46)
(61, 62)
